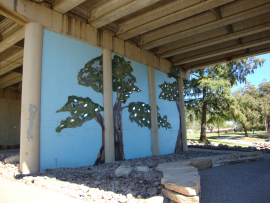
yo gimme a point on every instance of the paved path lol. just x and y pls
(231, 139)
(245, 182)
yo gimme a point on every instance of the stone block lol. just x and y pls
(186, 185)
(201, 164)
(144, 169)
(123, 170)
(180, 198)
(12, 159)
(184, 171)
(173, 165)
(257, 153)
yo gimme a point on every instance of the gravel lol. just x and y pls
(99, 183)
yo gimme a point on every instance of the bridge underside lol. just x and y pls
(190, 34)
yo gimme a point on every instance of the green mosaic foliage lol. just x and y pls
(92, 74)
(123, 80)
(81, 110)
(169, 91)
(140, 113)
(174, 72)
(162, 122)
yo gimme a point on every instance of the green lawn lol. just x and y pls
(258, 136)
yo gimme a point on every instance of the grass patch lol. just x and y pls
(258, 136)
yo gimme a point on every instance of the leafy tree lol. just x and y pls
(218, 119)
(248, 112)
(84, 109)
(209, 88)
(264, 90)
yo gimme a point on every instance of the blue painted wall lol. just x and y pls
(167, 138)
(137, 140)
(63, 57)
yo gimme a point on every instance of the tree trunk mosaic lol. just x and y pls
(84, 109)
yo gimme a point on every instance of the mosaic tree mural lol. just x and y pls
(170, 93)
(84, 109)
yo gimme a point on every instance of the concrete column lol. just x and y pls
(108, 106)
(30, 109)
(183, 115)
(153, 105)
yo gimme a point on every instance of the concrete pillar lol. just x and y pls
(30, 109)
(183, 115)
(108, 106)
(153, 105)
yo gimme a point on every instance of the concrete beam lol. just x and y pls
(162, 16)
(218, 51)
(11, 39)
(154, 114)
(116, 9)
(10, 79)
(8, 13)
(170, 33)
(30, 109)
(108, 106)
(63, 6)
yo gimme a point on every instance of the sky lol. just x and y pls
(259, 74)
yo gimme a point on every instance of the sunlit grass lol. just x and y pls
(258, 136)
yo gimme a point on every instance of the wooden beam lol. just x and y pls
(104, 14)
(213, 62)
(164, 35)
(229, 28)
(10, 79)
(11, 30)
(165, 15)
(213, 41)
(63, 6)
(15, 64)
(12, 39)
(68, 26)
(221, 51)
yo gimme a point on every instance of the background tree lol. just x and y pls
(248, 112)
(84, 109)
(218, 119)
(264, 90)
(208, 90)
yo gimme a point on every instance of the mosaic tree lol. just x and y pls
(84, 109)
(170, 93)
